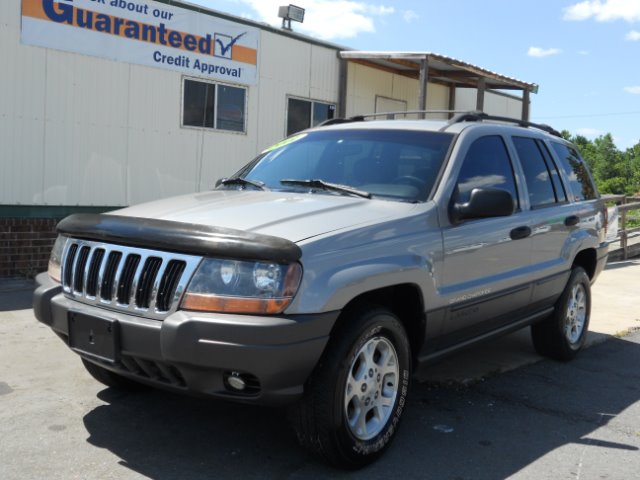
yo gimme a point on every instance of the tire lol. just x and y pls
(562, 335)
(113, 380)
(355, 397)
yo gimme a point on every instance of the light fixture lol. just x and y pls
(288, 13)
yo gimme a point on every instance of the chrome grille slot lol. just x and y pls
(91, 284)
(68, 266)
(168, 285)
(145, 286)
(108, 280)
(134, 280)
(78, 274)
(125, 282)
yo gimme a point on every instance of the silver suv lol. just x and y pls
(334, 265)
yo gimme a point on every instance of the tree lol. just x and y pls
(613, 171)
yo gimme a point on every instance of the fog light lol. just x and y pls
(236, 382)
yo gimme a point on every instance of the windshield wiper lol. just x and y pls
(243, 181)
(321, 184)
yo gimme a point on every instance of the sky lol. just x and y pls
(584, 55)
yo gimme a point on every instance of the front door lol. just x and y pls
(486, 260)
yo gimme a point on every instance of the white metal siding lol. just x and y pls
(284, 66)
(324, 74)
(81, 130)
(494, 104)
(85, 130)
(22, 110)
(365, 83)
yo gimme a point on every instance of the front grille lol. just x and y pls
(140, 281)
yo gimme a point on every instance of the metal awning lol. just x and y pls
(431, 67)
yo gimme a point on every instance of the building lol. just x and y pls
(108, 103)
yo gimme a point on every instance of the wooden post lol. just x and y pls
(452, 99)
(623, 230)
(482, 85)
(342, 88)
(525, 105)
(424, 78)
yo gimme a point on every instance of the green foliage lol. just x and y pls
(614, 171)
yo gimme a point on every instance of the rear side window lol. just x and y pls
(537, 173)
(486, 165)
(580, 184)
(561, 192)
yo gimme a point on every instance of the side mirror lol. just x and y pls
(219, 181)
(483, 203)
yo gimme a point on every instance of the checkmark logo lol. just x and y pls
(226, 43)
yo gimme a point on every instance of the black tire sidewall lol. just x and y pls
(549, 338)
(378, 323)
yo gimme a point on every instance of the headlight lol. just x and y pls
(55, 259)
(235, 286)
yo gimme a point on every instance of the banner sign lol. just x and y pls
(145, 32)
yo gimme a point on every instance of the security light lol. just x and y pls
(288, 13)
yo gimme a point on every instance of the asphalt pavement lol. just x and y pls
(496, 411)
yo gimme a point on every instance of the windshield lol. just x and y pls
(394, 164)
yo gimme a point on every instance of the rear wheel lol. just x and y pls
(562, 335)
(110, 379)
(355, 397)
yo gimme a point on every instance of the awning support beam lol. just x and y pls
(424, 78)
(452, 99)
(525, 105)
(342, 88)
(482, 86)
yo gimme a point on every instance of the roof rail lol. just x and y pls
(337, 121)
(391, 115)
(477, 116)
(388, 115)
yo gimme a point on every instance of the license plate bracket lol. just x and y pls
(93, 336)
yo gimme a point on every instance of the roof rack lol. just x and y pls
(477, 116)
(338, 121)
(387, 115)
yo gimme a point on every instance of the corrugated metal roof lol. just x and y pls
(441, 69)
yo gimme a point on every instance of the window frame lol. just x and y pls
(312, 101)
(216, 84)
(560, 162)
(552, 165)
(514, 167)
(549, 166)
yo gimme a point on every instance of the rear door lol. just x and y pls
(550, 221)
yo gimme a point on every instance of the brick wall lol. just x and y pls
(25, 244)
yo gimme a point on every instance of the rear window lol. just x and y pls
(580, 183)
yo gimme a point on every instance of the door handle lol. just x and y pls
(571, 220)
(520, 232)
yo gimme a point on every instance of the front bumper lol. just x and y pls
(195, 352)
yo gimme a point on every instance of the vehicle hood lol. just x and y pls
(294, 216)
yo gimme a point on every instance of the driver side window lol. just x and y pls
(486, 165)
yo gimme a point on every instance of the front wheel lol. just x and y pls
(355, 397)
(562, 335)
